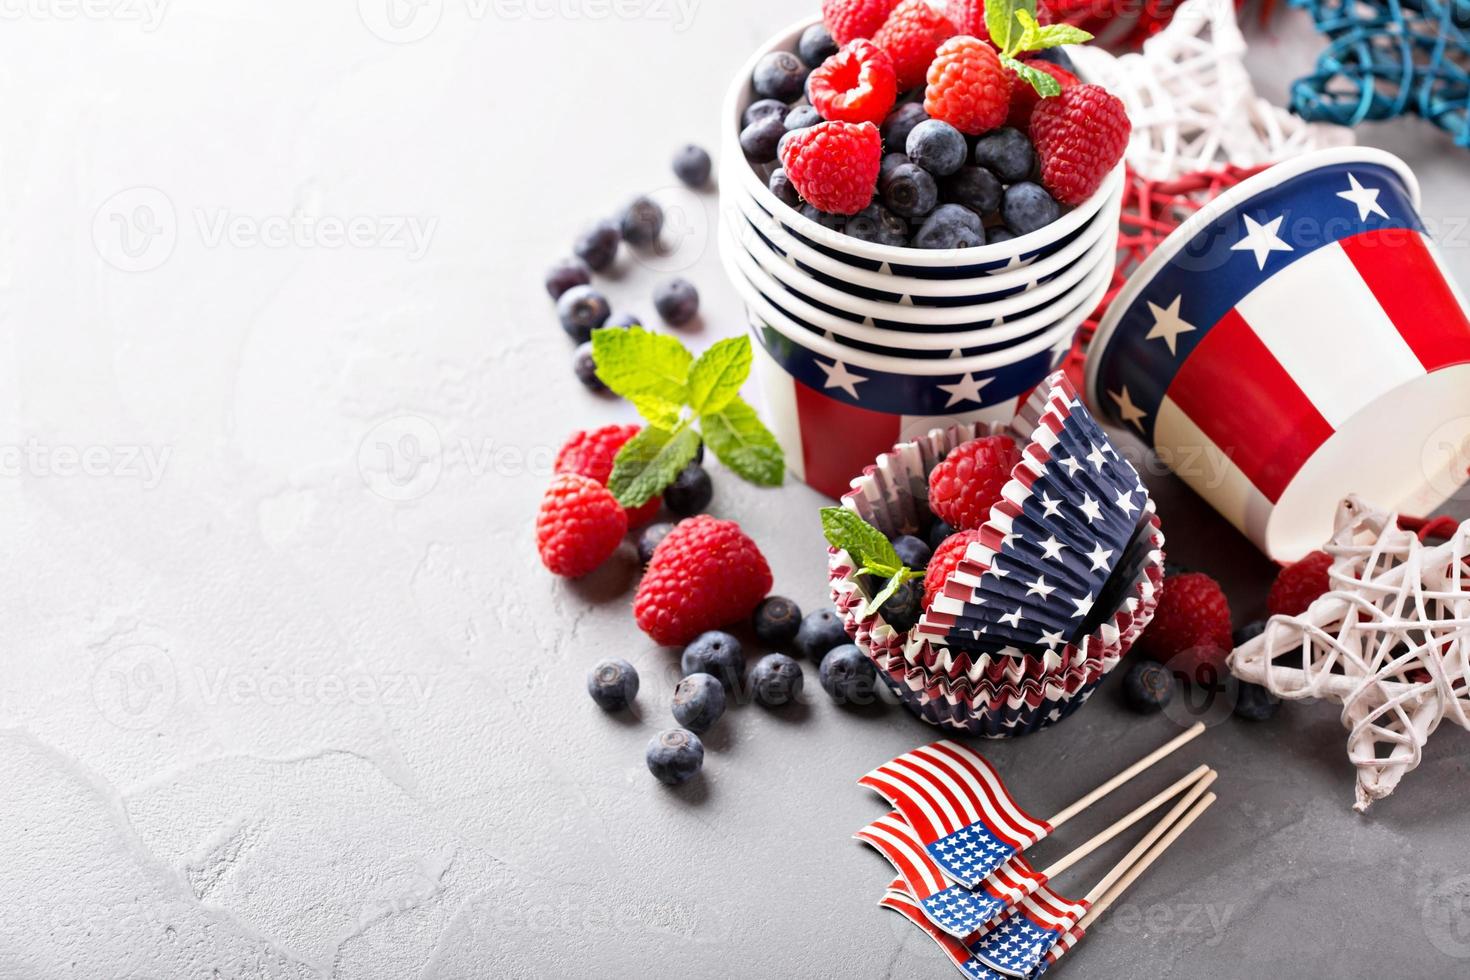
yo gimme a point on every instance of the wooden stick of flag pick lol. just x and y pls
(1172, 745)
(1123, 823)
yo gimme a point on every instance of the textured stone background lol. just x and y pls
(286, 693)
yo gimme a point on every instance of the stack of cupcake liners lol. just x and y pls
(1064, 578)
(881, 342)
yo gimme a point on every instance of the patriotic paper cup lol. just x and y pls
(755, 229)
(901, 326)
(833, 407)
(1013, 323)
(1296, 340)
(965, 263)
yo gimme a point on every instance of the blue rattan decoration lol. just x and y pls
(1387, 58)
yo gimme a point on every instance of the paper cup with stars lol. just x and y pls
(834, 408)
(738, 177)
(1296, 340)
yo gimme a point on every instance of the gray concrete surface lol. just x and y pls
(286, 693)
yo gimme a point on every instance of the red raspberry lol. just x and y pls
(1080, 136)
(591, 452)
(580, 525)
(848, 20)
(834, 165)
(1193, 612)
(855, 85)
(1024, 96)
(942, 563)
(964, 487)
(911, 35)
(705, 574)
(968, 16)
(968, 88)
(1299, 585)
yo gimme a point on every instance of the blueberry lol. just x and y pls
(691, 491)
(877, 224)
(642, 222)
(937, 147)
(913, 552)
(676, 301)
(649, 538)
(910, 191)
(1255, 703)
(598, 246)
(801, 117)
(582, 310)
(780, 75)
(1027, 207)
(613, 684)
(903, 609)
(783, 188)
(1000, 233)
(585, 368)
(759, 140)
(1007, 153)
(776, 621)
(692, 166)
(625, 320)
(699, 700)
(951, 226)
(1247, 632)
(974, 187)
(938, 534)
(816, 45)
(776, 679)
(834, 222)
(891, 162)
(715, 653)
(1148, 686)
(763, 109)
(900, 123)
(847, 676)
(820, 631)
(566, 274)
(674, 756)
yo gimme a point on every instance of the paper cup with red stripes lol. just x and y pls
(1296, 340)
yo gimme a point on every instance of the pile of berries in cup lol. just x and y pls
(898, 124)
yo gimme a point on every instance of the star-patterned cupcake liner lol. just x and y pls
(1263, 344)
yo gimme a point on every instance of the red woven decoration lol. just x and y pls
(1151, 210)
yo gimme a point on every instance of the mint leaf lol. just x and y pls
(648, 463)
(1034, 37)
(648, 369)
(865, 543)
(895, 583)
(742, 442)
(716, 377)
(1045, 85)
(1001, 21)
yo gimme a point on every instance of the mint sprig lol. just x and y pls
(870, 549)
(687, 402)
(1014, 30)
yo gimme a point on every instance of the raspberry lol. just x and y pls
(1193, 612)
(707, 573)
(968, 16)
(911, 35)
(968, 88)
(834, 165)
(1024, 96)
(855, 85)
(580, 525)
(848, 20)
(1299, 585)
(590, 453)
(964, 487)
(1080, 136)
(942, 564)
